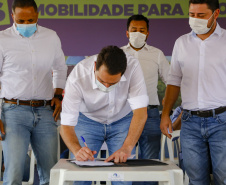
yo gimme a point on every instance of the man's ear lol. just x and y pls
(95, 63)
(127, 34)
(216, 13)
(147, 35)
(12, 16)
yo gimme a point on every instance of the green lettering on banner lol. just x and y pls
(116, 9)
(4, 13)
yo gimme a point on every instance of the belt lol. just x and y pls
(207, 113)
(33, 103)
(152, 106)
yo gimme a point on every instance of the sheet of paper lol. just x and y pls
(93, 163)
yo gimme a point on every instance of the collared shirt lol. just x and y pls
(82, 94)
(31, 67)
(154, 64)
(199, 68)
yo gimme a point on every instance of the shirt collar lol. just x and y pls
(145, 47)
(17, 32)
(217, 31)
(123, 78)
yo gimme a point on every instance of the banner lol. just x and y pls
(4, 13)
(107, 9)
(116, 9)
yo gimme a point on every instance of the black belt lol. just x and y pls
(207, 113)
(152, 106)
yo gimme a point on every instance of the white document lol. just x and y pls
(93, 163)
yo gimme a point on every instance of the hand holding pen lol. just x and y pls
(84, 141)
(85, 154)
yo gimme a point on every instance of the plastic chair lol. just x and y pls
(170, 145)
(32, 167)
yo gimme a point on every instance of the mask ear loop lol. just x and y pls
(213, 21)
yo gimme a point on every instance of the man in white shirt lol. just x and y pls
(33, 76)
(99, 95)
(198, 68)
(154, 64)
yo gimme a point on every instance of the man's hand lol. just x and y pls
(57, 104)
(165, 125)
(85, 154)
(120, 156)
(2, 130)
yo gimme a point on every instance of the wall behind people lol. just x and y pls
(86, 26)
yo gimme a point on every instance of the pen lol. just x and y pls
(84, 141)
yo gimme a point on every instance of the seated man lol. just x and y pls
(100, 93)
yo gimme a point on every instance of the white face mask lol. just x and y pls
(199, 26)
(137, 39)
(103, 88)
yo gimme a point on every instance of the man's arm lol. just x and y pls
(171, 96)
(135, 130)
(56, 103)
(69, 136)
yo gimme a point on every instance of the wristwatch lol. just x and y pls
(59, 96)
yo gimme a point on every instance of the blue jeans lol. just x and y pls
(203, 142)
(96, 133)
(23, 125)
(150, 140)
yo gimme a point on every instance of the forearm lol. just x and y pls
(136, 128)
(70, 139)
(171, 95)
(58, 91)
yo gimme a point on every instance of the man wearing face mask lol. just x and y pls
(154, 64)
(33, 76)
(100, 93)
(198, 69)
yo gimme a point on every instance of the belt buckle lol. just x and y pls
(33, 104)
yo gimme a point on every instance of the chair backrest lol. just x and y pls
(170, 145)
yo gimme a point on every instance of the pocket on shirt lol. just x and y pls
(221, 118)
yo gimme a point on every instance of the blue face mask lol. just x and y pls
(26, 30)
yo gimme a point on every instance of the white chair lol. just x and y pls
(170, 145)
(32, 167)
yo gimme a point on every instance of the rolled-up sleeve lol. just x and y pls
(71, 103)
(59, 66)
(175, 73)
(138, 97)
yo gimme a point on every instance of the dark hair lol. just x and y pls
(113, 58)
(212, 4)
(137, 17)
(23, 4)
